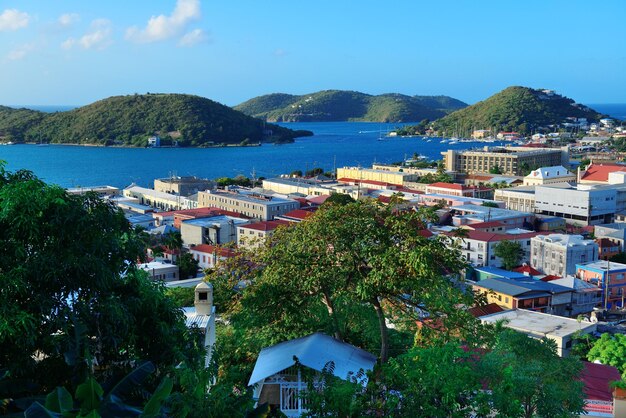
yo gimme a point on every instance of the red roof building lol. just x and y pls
(597, 380)
(599, 173)
(478, 311)
(178, 216)
(528, 270)
(297, 215)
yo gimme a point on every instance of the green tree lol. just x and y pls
(495, 170)
(527, 378)
(347, 270)
(71, 295)
(314, 172)
(187, 266)
(491, 204)
(339, 199)
(610, 349)
(511, 253)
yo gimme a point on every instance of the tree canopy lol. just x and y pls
(511, 253)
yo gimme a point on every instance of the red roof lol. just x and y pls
(492, 236)
(549, 278)
(527, 269)
(596, 379)
(318, 200)
(266, 225)
(453, 186)
(478, 311)
(356, 181)
(600, 172)
(480, 177)
(214, 249)
(300, 214)
(425, 233)
(484, 225)
(407, 190)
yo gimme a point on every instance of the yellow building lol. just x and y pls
(391, 177)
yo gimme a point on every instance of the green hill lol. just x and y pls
(340, 105)
(519, 109)
(131, 120)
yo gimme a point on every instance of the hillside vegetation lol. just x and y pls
(519, 109)
(131, 120)
(340, 105)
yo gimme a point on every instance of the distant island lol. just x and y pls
(176, 119)
(520, 109)
(341, 106)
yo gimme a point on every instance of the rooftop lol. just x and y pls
(249, 196)
(549, 172)
(314, 351)
(566, 240)
(600, 172)
(215, 220)
(519, 287)
(266, 225)
(537, 324)
(199, 212)
(214, 249)
(603, 265)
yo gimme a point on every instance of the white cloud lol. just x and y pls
(194, 37)
(68, 19)
(162, 27)
(98, 37)
(13, 19)
(20, 52)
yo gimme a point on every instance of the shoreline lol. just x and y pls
(162, 147)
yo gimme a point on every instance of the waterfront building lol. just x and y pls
(549, 175)
(156, 199)
(182, 186)
(558, 254)
(509, 160)
(255, 205)
(303, 186)
(102, 191)
(392, 177)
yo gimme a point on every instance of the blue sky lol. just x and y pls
(74, 52)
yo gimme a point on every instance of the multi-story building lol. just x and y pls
(520, 198)
(469, 214)
(582, 204)
(306, 187)
(478, 247)
(254, 205)
(609, 276)
(509, 161)
(549, 175)
(392, 177)
(615, 232)
(215, 230)
(455, 189)
(154, 198)
(254, 235)
(182, 186)
(558, 254)
(585, 296)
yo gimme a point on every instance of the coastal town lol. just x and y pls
(312, 209)
(542, 236)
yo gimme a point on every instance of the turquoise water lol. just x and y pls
(334, 144)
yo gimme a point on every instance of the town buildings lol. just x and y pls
(608, 276)
(509, 160)
(182, 186)
(392, 177)
(558, 254)
(255, 205)
(549, 175)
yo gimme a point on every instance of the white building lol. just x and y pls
(582, 204)
(520, 198)
(256, 205)
(161, 271)
(539, 325)
(478, 247)
(209, 256)
(558, 254)
(549, 175)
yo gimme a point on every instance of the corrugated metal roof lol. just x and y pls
(192, 319)
(314, 351)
